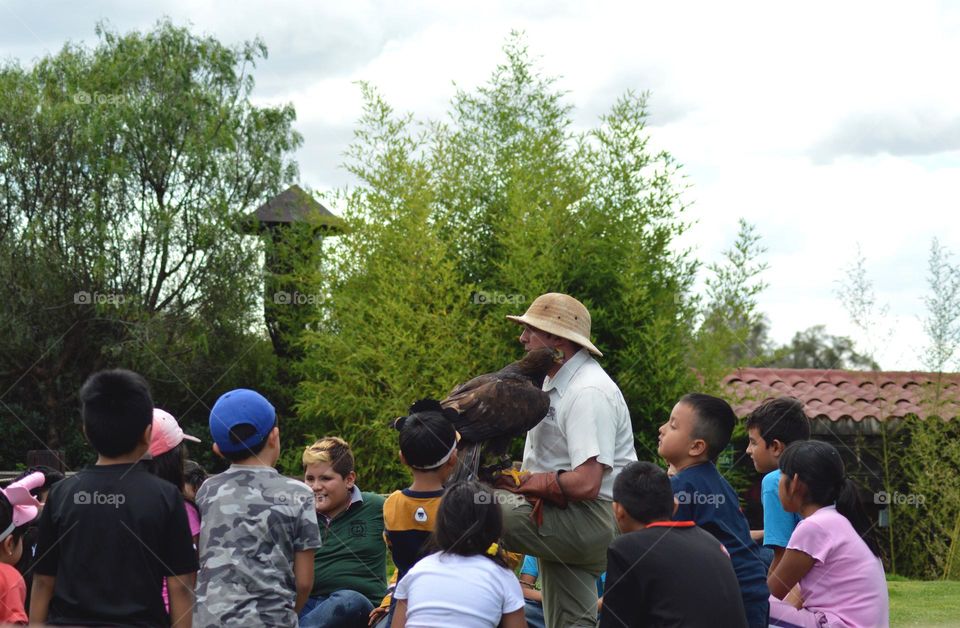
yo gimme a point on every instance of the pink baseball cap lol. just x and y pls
(167, 433)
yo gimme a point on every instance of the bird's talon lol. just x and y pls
(516, 475)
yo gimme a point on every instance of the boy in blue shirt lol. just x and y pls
(770, 428)
(697, 431)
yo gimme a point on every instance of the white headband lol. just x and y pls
(7, 532)
(439, 462)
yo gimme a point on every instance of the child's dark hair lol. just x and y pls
(116, 408)
(643, 490)
(6, 518)
(193, 474)
(50, 477)
(238, 434)
(713, 423)
(169, 466)
(469, 522)
(781, 419)
(820, 468)
(426, 435)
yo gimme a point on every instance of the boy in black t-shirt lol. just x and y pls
(662, 572)
(109, 534)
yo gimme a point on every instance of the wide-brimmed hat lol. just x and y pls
(560, 315)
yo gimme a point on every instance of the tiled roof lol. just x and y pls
(856, 395)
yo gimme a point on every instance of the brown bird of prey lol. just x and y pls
(494, 408)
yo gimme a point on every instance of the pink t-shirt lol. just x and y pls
(846, 580)
(193, 518)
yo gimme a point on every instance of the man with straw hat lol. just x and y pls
(570, 460)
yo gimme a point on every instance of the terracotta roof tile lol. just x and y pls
(855, 395)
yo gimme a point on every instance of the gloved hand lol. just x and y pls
(510, 480)
(545, 486)
(536, 488)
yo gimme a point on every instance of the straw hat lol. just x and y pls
(560, 315)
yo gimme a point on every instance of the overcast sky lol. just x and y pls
(826, 124)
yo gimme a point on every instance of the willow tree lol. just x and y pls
(124, 168)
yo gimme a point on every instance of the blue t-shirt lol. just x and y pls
(707, 499)
(778, 524)
(531, 567)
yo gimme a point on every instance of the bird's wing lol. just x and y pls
(501, 406)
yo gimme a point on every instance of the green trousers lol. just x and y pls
(571, 546)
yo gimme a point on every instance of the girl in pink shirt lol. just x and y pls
(168, 452)
(830, 555)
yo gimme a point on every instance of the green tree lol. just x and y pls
(124, 170)
(928, 543)
(733, 331)
(455, 224)
(814, 348)
(393, 325)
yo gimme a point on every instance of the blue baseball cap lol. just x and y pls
(236, 408)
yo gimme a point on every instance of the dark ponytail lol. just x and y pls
(469, 522)
(820, 468)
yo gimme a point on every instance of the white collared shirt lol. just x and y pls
(588, 418)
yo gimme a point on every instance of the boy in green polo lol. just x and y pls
(350, 568)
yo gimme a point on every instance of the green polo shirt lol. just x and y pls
(353, 554)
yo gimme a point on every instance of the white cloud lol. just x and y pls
(825, 123)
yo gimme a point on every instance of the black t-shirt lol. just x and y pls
(671, 574)
(109, 535)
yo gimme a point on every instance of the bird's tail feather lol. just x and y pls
(468, 463)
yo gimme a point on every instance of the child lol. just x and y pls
(167, 452)
(350, 567)
(18, 507)
(193, 478)
(770, 428)
(830, 554)
(259, 529)
(114, 523)
(25, 565)
(698, 429)
(662, 572)
(466, 583)
(428, 446)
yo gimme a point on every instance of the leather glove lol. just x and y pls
(545, 486)
(539, 488)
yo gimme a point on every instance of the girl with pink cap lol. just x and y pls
(17, 508)
(167, 453)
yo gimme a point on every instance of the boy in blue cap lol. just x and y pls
(259, 528)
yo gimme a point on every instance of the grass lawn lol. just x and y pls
(924, 603)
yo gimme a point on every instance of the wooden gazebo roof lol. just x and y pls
(293, 205)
